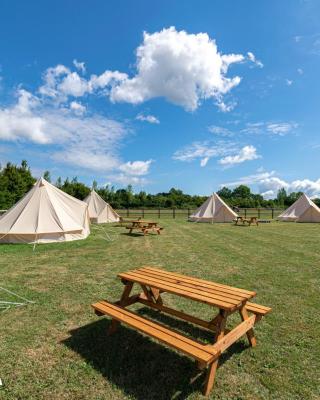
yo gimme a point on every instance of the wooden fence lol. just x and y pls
(261, 213)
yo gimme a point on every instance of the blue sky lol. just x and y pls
(192, 94)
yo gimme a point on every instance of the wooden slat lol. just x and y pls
(189, 289)
(213, 295)
(175, 289)
(184, 282)
(235, 334)
(172, 338)
(202, 282)
(257, 308)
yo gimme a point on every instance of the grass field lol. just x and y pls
(58, 349)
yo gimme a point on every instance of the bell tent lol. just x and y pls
(100, 211)
(214, 209)
(45, 214)
(302, 210)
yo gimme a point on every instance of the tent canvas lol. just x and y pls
(45, 214)
(100, 211)
(214, 209)
(302, 210)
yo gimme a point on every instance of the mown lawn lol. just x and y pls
(58, 349)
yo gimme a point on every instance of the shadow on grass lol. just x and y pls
(139, 366)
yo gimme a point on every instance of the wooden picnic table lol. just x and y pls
(248, 221)
(144, 226)
(154, 282)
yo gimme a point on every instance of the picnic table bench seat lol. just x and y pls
(190, 347)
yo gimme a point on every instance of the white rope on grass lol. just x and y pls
(105, 235)
(15, 294)
(6, 305)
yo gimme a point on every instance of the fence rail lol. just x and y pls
(261, 213)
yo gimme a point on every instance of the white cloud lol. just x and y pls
(281, 128)
(124, 179)
(90, 142)
(247, 153)
(300, 71)
(136, 167)
(220, 131)
(107, 78)
(204, 151)
(77, 108)
(18, 122)
(274, 128)
(289, 82)
(148, 118)
(73, 85)
(253, 59)
(183, 68)
(80, 66)
(268, 184)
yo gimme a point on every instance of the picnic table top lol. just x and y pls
(226, 297)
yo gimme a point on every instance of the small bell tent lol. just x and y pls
(214, 209)
(302, 210)
(100, 211)
(45, 214)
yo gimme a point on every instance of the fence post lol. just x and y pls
(127, 212)
(173, 213)
(143, 213)
(245, 213)
(272, 213)
(188, 213)
(159, 213)
(258, 212)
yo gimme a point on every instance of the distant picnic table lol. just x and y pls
(248, 221)
(144, 226)
(154, 282)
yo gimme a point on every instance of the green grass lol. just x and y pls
(58, 349)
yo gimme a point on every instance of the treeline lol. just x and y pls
(16, 180)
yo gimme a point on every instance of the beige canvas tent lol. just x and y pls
(100, 211)
(302, 210)
(214, 209)
(45, 214)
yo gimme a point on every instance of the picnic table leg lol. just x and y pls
(125, 294)
(221, 326)
(250, 334)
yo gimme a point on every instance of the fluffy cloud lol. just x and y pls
(77, 108)
(136, 167)
(203, 151)
(268, 184)
(183, 68)
(91, 142)
(124, 179)
(253, 59)
(148, 118)
(80, 66)
(19, 122)
(247, 153)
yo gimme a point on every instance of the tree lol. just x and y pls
(225, 193)
(94, 185)
(242, 192)
(281, 196)
(46, 176)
